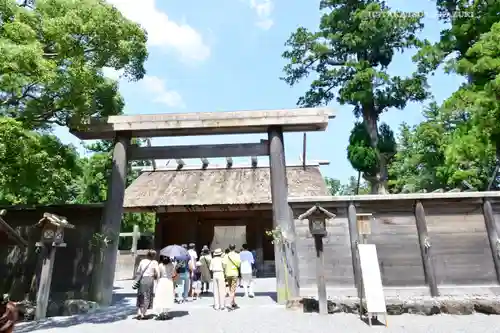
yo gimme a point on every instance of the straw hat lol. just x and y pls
(218, 252)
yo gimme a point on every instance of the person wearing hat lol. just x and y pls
(206, 276)
(219, 284)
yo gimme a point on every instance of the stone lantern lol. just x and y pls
(317, 216)
(53, 227)
(53, 230)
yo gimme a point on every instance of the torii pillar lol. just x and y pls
(287, 270)
(111, 220)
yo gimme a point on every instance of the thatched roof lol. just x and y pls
(223, 186)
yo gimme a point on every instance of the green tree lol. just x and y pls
(467, 20)
(349, 56)
(52, 53)
(468, 47)
(475, 109)
(35, 168)
(333, 185)
(419, 164)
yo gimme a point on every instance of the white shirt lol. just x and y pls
(193, 255)
(216, 265)
(148, 270)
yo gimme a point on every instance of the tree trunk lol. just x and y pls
(378, 181)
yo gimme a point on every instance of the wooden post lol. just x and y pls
(158, 233)
(491, 229)
(112, 218)
(136, 234)
(320, 275)
(42, 297)
(259, 248)
(287, 277)
(353, 235)
(425, 249)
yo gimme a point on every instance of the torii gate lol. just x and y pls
(273, 122)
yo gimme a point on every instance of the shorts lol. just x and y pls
(232, 282)
(196, 285)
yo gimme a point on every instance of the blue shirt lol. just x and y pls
(247, 260)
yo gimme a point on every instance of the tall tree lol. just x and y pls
(349, 56)
(35, 168)
(52, 53)
(468, 47)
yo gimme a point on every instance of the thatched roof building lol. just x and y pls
(218, 186)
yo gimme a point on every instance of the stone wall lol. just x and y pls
(73, 265)
(456, 230)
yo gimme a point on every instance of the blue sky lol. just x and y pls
(225, 55)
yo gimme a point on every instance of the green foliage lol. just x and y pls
(35, 168)
(361, 154)
(349, 56)
(467, 20)
(51, 59)
(335, 187)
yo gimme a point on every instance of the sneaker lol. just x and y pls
(235, 306)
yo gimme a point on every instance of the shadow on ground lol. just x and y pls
(120, 310)
(270, 294)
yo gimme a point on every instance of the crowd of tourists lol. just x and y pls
(177, 279)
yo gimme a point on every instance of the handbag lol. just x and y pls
(137, 282)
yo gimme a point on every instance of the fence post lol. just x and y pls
(425, 248)
(353, 235)
(491, 229)
(136, 234)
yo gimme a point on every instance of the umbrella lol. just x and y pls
(174, 251)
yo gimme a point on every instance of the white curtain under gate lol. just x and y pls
(225, 235)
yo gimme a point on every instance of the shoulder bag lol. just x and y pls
(137, 282)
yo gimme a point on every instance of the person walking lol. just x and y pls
(164, 294)
(146, 274)
(232, 265)
(206, 276)
(196, 281)
(183, 278)
(219, 285)
(247, 261)
(194, 258)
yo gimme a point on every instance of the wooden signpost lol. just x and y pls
(52, 237)
(372, 290)
(317, 216)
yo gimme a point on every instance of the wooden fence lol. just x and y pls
(424, 239)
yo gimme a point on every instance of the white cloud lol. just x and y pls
(263, 9)
(152, 85)
(162, 94)
(163, 32)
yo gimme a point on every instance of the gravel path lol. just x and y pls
(258, 315)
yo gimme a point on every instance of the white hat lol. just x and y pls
(198, 264)
(218, 252)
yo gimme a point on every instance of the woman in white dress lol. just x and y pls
(164, 295)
